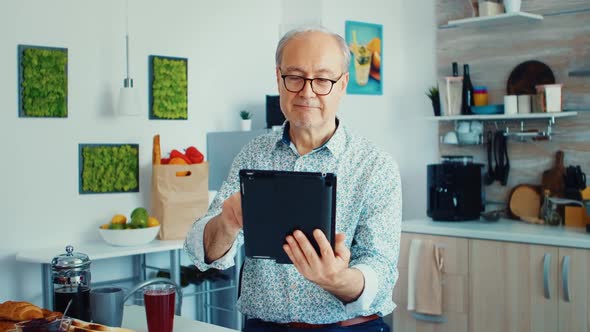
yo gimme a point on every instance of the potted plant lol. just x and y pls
(435, 99)
(246, 120)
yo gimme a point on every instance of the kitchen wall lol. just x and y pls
(230, 46)
(562, 41)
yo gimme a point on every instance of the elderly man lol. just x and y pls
(345, 288)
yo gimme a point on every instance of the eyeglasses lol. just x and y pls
(319, 86)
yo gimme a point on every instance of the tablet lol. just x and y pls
(276, 203)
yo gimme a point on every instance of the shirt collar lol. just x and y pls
(335, 144)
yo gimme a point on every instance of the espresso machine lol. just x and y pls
(70, 273)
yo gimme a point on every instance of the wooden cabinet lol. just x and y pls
(507, 287)
(455, 283)
(574, 290)
(521, 287)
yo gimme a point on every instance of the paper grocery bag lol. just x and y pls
(177, 200)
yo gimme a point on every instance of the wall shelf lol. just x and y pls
(501, 117)
(583, 72)
(500, 19)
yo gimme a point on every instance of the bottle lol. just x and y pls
(549, 210)
(455, 69)
(467, 92)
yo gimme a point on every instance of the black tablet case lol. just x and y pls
(275, 203)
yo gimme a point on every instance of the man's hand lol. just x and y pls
(221, 230)
(330, 271)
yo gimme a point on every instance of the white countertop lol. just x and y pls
(97, 250)
(502, 230)
(134, 319)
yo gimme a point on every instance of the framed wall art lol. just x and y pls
(42, 82)
(108, 168)
(366, 63)
(168, 86)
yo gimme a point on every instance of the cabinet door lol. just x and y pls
(454, 287)
(574, 290)
(509, 289)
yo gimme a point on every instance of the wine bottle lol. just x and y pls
(467, 92)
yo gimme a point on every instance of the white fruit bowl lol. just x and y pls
(129, 237)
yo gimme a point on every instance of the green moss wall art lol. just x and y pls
(168, 81)
(43, 81)
(108, 168)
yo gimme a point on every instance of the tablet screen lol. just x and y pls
(276, 203)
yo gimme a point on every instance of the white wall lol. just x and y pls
(230, 47)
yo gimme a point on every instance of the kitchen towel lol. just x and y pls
(425, 269)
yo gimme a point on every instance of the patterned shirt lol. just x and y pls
(368, 211)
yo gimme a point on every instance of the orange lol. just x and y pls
(177, 161)
(152, 222)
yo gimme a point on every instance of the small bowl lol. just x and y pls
(129, 237)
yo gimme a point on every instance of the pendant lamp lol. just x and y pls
(128, 99)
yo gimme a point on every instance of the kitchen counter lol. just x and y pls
(134, 319)
(502, 230)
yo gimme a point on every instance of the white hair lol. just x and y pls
(344, 50)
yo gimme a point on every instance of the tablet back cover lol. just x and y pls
(275, 203)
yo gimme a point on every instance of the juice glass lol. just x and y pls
(159, 307)
(362, 65)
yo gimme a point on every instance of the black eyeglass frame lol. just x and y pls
(305, 79)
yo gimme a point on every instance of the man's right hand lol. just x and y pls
(231, 214)
(221, 230)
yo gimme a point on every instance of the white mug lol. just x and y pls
(524, 104)
(512, 6)
(510, 105)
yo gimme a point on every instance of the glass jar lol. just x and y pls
(70, 273)
(549, 212)
(480, 95)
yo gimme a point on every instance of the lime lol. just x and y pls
(140, 212)
(139, 221)
(116, 226)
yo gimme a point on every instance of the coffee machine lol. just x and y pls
(455, 189)
(70, 274)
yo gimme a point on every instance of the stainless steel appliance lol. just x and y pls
(70, 273)
(454, 189)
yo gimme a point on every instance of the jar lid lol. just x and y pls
(480, 89)
(70, 260)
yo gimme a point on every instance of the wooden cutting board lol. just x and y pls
(524, 202)
(553, 178)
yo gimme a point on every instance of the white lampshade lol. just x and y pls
(128, 102)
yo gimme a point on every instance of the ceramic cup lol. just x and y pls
(510, 105)
(524, 104)
(512, 6)
(106, 305)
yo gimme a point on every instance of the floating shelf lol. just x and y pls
(500, 19)
(580, 72)
(529, 116)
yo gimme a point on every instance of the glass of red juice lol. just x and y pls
(159, 307)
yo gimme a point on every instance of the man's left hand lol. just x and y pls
(330, 269)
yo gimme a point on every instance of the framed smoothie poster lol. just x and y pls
(364, 40)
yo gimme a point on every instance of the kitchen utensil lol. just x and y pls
(524, 201)
(490, 176)
(71, 282)
(502, 168)
(525, 76)
(553, 178)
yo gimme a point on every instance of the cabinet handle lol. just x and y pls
(546, 268)
(565, 273)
